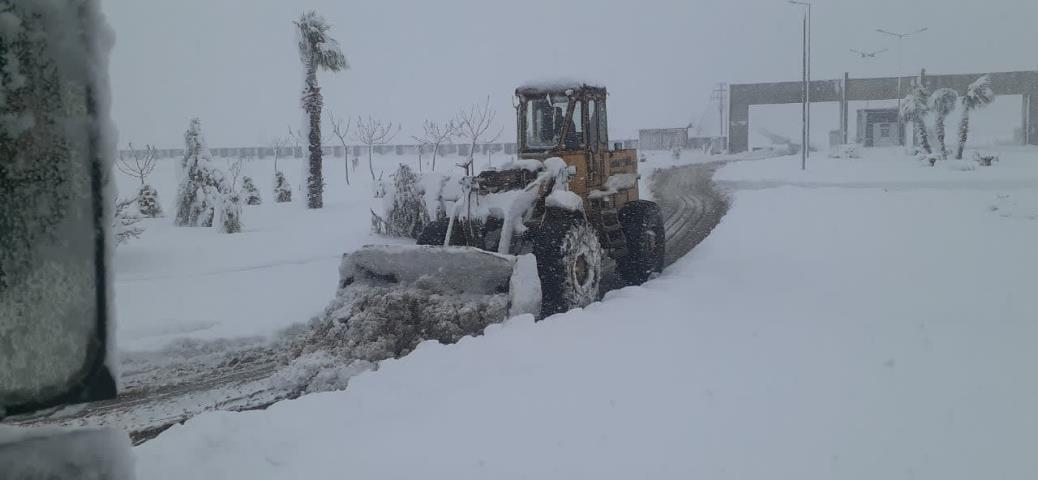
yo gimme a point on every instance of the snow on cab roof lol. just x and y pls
(557, 84)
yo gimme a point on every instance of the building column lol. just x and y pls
(738, 126)
(844, 107)
(1030, 119)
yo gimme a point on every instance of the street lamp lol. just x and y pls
(865, 57)
(900, 52)
(806, 104)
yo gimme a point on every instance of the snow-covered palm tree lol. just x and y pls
(915, 108)
(317, 51)
(942, 103)
(978, 94)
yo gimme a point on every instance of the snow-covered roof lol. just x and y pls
(558, 84)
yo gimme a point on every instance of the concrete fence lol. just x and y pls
(337, 151)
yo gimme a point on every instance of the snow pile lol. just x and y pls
(848, 150)
(898, 349)
(885, 167)
(392, 298)
(616, 183)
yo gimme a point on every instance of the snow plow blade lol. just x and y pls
(460, 274)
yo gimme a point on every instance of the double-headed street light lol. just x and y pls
(806, 103)
(900, 52)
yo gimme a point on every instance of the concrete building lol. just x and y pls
(846, 89)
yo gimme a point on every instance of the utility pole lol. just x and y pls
(806, 104)
(900, 53)
(720, 95)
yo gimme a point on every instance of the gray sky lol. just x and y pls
(234, 63)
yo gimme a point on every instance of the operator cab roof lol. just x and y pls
(558, 85)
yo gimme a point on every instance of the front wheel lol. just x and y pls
(569, 262)
(646, 242)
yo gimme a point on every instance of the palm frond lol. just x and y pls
(943, 100)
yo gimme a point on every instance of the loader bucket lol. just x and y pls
(458, 273)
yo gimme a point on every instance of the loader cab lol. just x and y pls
(567, 119)
(557, 117)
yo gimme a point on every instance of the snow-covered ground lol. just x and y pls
(829, 327)
(177, 283)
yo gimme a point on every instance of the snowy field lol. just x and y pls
(179, 284)
(830, 327)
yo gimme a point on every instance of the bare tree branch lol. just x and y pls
(276, 144)
(142, 165)
(342, 131)
(473, 124)
(437, 134)
(373, 132)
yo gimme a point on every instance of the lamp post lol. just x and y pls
(806, 104)
(900, 52)
(865, 56)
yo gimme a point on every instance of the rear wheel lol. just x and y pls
(643, 229)
(569, 262)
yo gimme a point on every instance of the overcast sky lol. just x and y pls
(234, 63)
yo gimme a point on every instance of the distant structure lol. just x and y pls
(742, 96)
(878, 127)
(662, 138)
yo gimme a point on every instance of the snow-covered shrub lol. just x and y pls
(282, 190)
(148, 202)
(230, 214)
(125, 221)
(252, 194)
(406, 213)
(984, 160)
(675, 153)
(848, 150)
(203, 185)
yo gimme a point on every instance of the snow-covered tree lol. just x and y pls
(252, 194)
(341, 130)
(125, 221)
(230, 214)
(371, 132)
(317, 51)
(915, 108)
(942, 103)
(282, 190)
(148, 201)
(276, 145)
(978, 94)
(473, 124)
(139, 164)
(406, 214)
(203, 185)
(436, 134)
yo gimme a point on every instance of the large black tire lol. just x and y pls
(646, 243)
(435, 231)
(569, 262)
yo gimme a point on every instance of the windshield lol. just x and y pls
(545, 118)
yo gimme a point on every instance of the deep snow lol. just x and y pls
(823, 332)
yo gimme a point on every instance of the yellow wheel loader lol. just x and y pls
(533, 235)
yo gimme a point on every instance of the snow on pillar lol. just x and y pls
(1030, 119)
(844, 108)
(738, 125)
